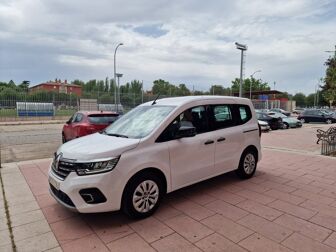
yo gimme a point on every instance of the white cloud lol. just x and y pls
(76, 39)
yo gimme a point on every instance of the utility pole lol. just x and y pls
(242, 48)
(142, 92)
(115, 77)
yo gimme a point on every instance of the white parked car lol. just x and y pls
(154, 149)
(264, 126)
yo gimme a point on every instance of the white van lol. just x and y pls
(154, 149)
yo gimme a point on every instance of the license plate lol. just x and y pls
(54, 183)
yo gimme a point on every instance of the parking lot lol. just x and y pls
(290, 205)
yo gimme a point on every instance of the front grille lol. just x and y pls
(62, 196)
(63, 168)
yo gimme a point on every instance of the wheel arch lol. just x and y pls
(252, 148)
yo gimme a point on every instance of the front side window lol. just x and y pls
(193, 117)
(78, 118)
(139, 122)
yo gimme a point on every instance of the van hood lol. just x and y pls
(96, 146)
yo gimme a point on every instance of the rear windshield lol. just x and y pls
(102, 119)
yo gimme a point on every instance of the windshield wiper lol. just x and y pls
(116, 135)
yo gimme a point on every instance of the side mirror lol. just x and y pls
(185, 131)
(68, 122)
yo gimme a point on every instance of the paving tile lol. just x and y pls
(226, 210)
(304, 227)
(70, 229)
(319, 207)
(174, 243)
(132, 242)
(150, 229)
(293, 209)
(37, 243)
(57, 212)
(165, 212)
(30, 230)
(314, 197)
(331, 241)
(325, 221)
(57, 249)
(87, 243)
(258, 243)
(218, 243)
(285, 196)
(226, 196)
(23, 207)
(28, 217)
(109, 226)
(260, 210)
(309, 188)
(258, 197)
(226, 227)
(299, 243)
(199, 197)
(254, 187)
(4, 237)
(279, 187)
(3, 223)
(45, 200)
(192, 209)
(187, 227)
(266, 228)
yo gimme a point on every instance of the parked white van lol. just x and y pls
(154, 149)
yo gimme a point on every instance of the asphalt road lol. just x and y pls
(26, 142)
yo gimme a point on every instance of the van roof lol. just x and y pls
(177, 101)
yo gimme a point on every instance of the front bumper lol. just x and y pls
(67, 193)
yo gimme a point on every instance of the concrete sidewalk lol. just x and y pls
(290, 205)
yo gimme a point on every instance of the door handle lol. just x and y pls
(221, 139)
(209, 142)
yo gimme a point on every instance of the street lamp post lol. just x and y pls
(242, 48)
(119, 75)
(114, 74)
(258, 71)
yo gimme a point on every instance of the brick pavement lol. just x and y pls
(290, 205)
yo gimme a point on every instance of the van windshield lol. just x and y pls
(139, 122)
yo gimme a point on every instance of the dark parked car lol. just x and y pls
(316, 115)
(84, 123)
(274, 122)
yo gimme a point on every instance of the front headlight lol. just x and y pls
(96, 167)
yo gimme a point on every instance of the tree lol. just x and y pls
(329, 87)
(256, 85)
(311, 100)
(300, 99)
(24, 86)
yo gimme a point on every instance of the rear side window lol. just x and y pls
(221, 116)
(244, 114)
(102, 119)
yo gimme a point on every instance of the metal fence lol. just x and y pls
(21, 139)
(328, 141)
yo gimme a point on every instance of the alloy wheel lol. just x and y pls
(145, 196)
(249, 163)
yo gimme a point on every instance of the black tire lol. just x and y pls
(63, 138)
(245, 173)
(127, 205)
(286, 126)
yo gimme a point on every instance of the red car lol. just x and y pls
(84, 123)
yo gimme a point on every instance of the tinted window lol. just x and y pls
(244, 113)
(222, 116)
(78, 118)
(102, 119)
(195, 117)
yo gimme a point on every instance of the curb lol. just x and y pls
(30, 123)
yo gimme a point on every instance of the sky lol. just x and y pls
(185, 41)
